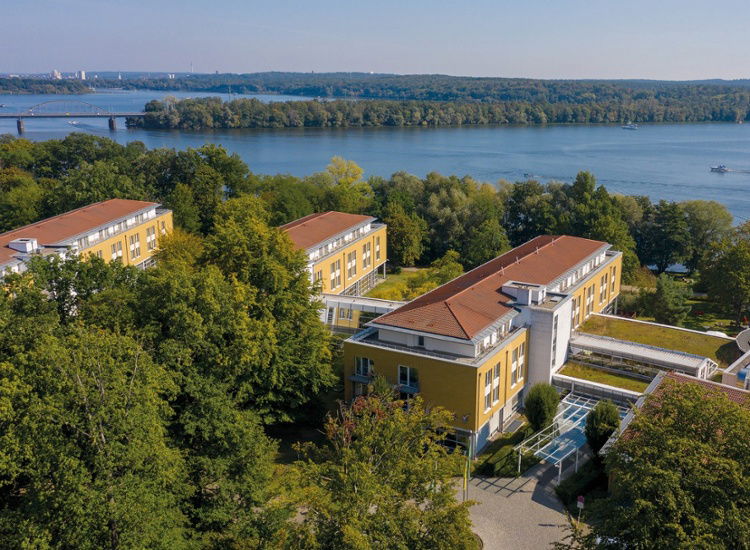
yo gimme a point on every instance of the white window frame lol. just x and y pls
(496, 383)
(412, 379)
(363, 366)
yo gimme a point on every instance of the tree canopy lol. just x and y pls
(679, 474)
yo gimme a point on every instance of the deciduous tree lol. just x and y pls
(382, 481)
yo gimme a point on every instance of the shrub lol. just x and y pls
(589, 477)
(541, 405)
(601, 422)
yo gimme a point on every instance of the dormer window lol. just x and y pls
(420, 341)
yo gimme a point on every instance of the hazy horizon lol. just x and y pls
(574, 40)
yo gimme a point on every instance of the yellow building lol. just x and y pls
(346, 255)
(474, 344)
(116, 229)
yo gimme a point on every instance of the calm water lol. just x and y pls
(662, 161)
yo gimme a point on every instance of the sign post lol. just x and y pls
(579, 503)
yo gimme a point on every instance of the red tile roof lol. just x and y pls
(57, 229)
(466, 305)
(314, 229)
(734, 394)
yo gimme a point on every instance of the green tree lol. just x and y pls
(709, 222)
(541, 405)
(528, 212)
(668, 236)
(601, 423)
(668, 304)
(270, 284)
(486, 241)
(680, 478)
(21, 199)
(184, 209)
(406, 235)
(93, 466)
(383, 481)
(728, 277)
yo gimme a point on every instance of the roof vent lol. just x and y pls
(23, 245)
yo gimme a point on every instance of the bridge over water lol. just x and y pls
(66, 108)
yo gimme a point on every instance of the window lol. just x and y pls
(377, 248)
(522, 361)
(363, 366)
(407, 376)
(335, 274)
(351, 264)
(359, 389)
(590, 299)
(487, 389)
(135, 246)
(514, 368)
(603, 285)
(117, 250)
(163, 228)
(151, 238)
(99, 254)
(420, 341)
(614, 275)
(554, 340)
(366, 255)
(345, 314)
(496, 384)
(575, 310)
(318, 276)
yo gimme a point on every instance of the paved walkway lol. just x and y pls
(517, 513)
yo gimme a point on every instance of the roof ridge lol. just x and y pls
(466, 333)
(497, 272)
(62, 214)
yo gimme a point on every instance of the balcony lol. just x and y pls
(370, 336)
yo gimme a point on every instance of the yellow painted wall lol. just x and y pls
(324, 265)
(507, 391)
(105, 246)
(613, 269)
(456, 387)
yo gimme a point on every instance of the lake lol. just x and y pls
(669, 161)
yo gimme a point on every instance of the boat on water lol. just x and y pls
(721, 169)
(629, 126)
(73, 122)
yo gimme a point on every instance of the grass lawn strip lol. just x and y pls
(720, 350)
(584, 372)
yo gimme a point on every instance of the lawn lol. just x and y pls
(388, 289)
(706, 315)
(498, 459)
(721, 350)
(584, 372)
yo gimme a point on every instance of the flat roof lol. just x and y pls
(57, 229)
(722, 350)
(317, 228)
(639, 352)
(466, 305)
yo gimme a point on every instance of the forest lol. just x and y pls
(138, 409)
(435, 87)
(42, 86)
(213, 112)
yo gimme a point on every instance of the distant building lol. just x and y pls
(346, 255)
(55, 75)
(116, 229)
(81, 75)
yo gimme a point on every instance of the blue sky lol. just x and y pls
(661, 39)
